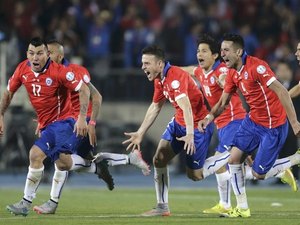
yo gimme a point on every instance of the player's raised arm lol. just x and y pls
(216, 110)
(135, 138)
(295, 91)
(5, 102)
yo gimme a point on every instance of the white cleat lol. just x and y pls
(135, 158)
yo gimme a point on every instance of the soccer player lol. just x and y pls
(48, 85)
(266, 125)
(211, 74)
(83, 147)
(173, 84)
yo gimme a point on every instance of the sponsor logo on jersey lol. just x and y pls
(261, 69)
(70, 76)
(48, 81)
(25, 77)
(86, 78)
(175, 84)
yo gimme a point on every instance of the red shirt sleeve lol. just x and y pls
(15, 80)
(70, 78)
(262, 72)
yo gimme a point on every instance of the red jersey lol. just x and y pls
(48, 90)
(176, 84)
(213, 92)
(253, 80)
(83, 73)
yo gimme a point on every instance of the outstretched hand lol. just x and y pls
(189, 144)
(134, 141)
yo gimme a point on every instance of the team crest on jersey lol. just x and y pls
(223, 69)
(70, 76)
(246, 75)
(175, 84)
(261, 69)
(86, 78)
(48, 81)
(212, 80)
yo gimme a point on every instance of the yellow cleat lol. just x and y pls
(289, 178)
(217, 209)
(237, 212)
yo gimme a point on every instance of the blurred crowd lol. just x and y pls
(105, 34)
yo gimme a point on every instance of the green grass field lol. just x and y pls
(123, 206)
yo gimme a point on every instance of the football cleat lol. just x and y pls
(135, 158)
(237, 212)
(289, 178)
(48, 207)
(161, 209)
(20, 208)
(217, 209)
(103, 173)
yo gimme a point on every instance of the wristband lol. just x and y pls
(92, 122)
(189, 129)
(209, 117)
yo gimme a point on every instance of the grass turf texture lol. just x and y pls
(123, 206)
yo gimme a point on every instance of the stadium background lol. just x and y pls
(107, 36)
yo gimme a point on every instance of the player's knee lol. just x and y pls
(36, 157)
(195, 176)
(158, 161)
(61, 165)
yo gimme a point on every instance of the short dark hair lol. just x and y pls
(37, 41)
(53, 41)
(235, 38)
(211, 42)
(154, 50)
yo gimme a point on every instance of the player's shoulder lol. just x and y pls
(257, 65)
(198, 70)
(177, 71)
(254, 61)
(25, 64)
(81, 71)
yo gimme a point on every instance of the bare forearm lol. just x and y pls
(288, 106)
(295, 91)
(219, 107)
(5, 101)
(96, 100)
(84, 96)
(150, 117)
(185, 105)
